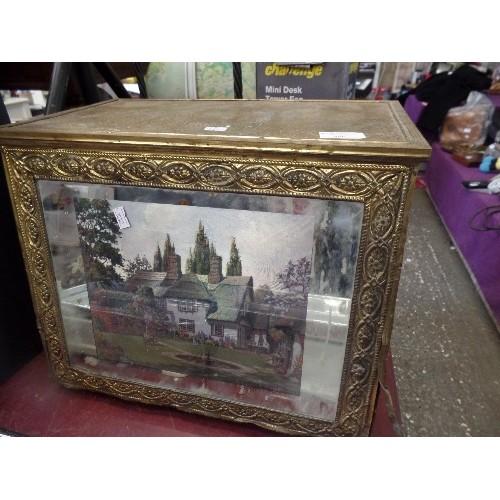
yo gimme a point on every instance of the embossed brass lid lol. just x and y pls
(364, 128)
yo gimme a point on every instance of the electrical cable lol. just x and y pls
(484, 224)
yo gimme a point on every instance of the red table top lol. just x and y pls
(32, 403)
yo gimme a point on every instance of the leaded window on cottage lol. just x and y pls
(186, 325)
(218, 330)
(187, 305)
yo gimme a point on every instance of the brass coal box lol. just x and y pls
(235, 259)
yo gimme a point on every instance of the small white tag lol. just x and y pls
(342, 135)
(217, 129)
(121, 218)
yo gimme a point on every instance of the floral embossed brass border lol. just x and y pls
(383, 189)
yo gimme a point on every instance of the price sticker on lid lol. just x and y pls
(342, 135)
(216, 128)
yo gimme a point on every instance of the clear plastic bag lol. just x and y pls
(467, 125)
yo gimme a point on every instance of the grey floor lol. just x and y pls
(445, 347)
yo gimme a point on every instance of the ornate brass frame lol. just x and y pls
(383, 187)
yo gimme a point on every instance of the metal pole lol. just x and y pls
(238, 81)
(112, 79)
(139, 73)
(58, 87)
(87, 83)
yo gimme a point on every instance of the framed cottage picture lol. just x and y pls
(236, 259)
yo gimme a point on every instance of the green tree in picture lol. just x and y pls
(136, 264)
(157, 260)
(99, 233)
(213, 252)
(168, 249)
(295, 284)
(233, 267)
(199, 259)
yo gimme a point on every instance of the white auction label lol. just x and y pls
(121, 217)
(217, 129)
(342, 135)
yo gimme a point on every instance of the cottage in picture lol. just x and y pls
(203, 305)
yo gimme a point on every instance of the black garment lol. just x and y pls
(429, 87)
(445, 91)
(425, 90)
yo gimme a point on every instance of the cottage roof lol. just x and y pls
(144, 278)
(242, 281)
(189, 287)
(229, 295)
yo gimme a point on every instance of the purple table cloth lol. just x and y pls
(495, 99)
(457, 207)
(414, 107)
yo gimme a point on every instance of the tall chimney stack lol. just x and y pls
(173, 267)
(215, 274)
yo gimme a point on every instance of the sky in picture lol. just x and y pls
(265, 241)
